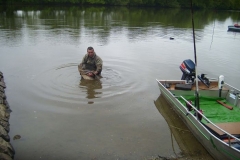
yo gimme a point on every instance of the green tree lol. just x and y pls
(95, 1)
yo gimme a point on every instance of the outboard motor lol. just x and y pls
(188, 69)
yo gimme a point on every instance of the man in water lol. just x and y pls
(91, 64)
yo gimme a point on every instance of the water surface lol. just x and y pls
(60, 116)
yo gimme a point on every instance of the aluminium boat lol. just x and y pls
(213, 118)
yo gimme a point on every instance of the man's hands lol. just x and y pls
(92, 74)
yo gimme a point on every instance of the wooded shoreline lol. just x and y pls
(200, 4)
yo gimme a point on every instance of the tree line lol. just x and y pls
(209, 4)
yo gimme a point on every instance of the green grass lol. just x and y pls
(214, 111)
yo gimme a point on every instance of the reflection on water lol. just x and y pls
(91, 88)
(189, 145)
(67, 24)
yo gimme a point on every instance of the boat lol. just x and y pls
(209, 107)
(235, 28)
(216, 121)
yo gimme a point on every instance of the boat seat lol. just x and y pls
(231, 127)
(183, 86)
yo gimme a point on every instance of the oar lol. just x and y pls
(227, 106)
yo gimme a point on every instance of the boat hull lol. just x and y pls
(233, 28)
(217, 148)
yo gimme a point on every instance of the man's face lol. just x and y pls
(90, 53)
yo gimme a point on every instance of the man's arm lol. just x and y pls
(99, 64)
(82, 64)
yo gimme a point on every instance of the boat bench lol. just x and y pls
(230, 127)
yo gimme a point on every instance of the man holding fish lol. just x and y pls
(91, 64)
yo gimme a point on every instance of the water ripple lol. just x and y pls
(63, 84)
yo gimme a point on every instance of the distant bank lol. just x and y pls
(209, 4)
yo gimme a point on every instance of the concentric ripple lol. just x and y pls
(63, 85)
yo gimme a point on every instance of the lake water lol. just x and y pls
(59, 116)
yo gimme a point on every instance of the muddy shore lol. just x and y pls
(6, 150)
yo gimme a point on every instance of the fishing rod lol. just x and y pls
(195, 57)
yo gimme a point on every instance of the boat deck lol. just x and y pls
(225, 118)
(214, 111)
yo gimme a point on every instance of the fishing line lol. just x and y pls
(212, 32)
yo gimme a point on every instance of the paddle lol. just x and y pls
(227, 106)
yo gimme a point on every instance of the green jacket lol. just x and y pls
(94, 63)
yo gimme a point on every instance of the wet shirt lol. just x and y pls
(92, 63)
